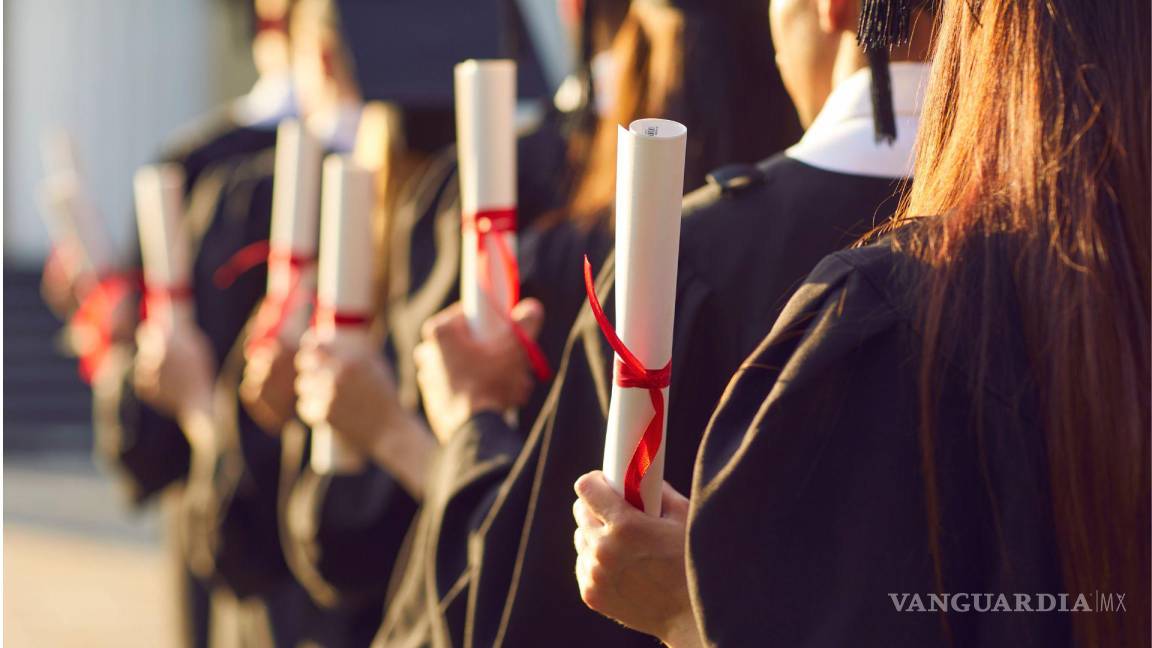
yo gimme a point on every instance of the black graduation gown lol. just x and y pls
(502, 557)
(808, 510)
(346, 530)
(147, 450)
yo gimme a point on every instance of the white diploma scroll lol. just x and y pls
(649, 188)
(486, 147)
(345, 277)
(295, 218)
(73, 221)
(164, 241)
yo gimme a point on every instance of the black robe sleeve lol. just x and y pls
(808, 521)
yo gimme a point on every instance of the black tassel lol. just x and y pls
(884, 24)
(883, 113)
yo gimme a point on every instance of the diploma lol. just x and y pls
(344, 294)
(649, 188)
(71, 216)
(163, 242)
(292, 243)
(486, 146)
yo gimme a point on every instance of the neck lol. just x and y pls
(849, 59)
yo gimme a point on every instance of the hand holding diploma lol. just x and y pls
(175, 370)
(630, 565)
(354, 394)
(345, 296)
(461, 375)
(275, 330)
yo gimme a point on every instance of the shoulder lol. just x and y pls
(216, 133)
(868, 281)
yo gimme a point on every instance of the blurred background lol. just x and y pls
(120, 77)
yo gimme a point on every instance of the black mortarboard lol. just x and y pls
(403, 51)
(884, 24)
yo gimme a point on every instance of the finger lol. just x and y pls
(424, 355)
(440, 320)
(308, 359)
(308, 340)
(673, 505)
(584, 517)
(601, 499)
(580, 541)
(529, 316)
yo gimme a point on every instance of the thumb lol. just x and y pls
(598, 495)
(673, 504)
(529, 316)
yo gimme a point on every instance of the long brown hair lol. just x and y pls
(712, 69)
(1034, 153)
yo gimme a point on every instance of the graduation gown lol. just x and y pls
(500, 560)
(808, 511)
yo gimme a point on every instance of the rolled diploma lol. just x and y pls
(649, 188)
(73, 220)
(75, 225)
(295, 217)
(344, 283)
(163, 240)
(486, 148)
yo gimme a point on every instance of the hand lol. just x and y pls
(460, 376)
(630, 565)
(57, 288)
(354, 393)
(267, 389)
(351, 391)
(175, 371)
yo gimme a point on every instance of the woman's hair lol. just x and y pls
(1034, 153)
(712, 69)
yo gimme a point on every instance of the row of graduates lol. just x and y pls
(894, 432)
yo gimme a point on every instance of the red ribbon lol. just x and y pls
(276, 307)
(630, 372)
(492, 224)
(335, 318)
(155, 295)
(93, 321)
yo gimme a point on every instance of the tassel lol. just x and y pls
(884, 24)
(883, 113)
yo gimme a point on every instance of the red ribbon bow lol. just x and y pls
(93, 321)
(630, 372)
(493, 224)
(276, 307)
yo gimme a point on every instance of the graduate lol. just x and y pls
(146, 449)
(955, 418)
(747, 240)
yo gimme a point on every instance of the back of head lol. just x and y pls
(1034, 161)
(709, 65)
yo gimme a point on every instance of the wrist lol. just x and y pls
(683, 632)
(404, 447)
(198, 424)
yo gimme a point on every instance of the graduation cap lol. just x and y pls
(403, 51)
(884, 24)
